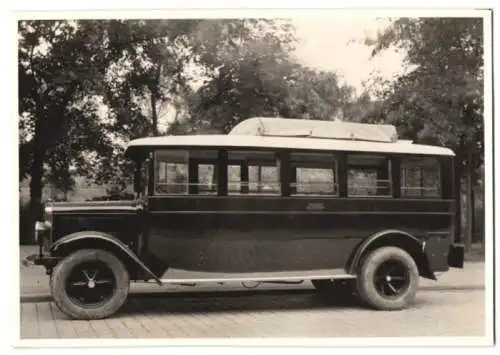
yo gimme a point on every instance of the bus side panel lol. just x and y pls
(258, 235)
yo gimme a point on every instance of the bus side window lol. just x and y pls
(204, 169)
(420, 177)
(313, 174)
(171, 172)
(253, 173)
(368, 176)
(181, 172)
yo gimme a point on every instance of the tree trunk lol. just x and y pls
(470, 211)
(154, 114)
(475, 238)
(36, 188)
(458, 200)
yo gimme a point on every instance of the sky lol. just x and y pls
(325, 44)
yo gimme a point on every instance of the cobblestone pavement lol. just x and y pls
(265, 314)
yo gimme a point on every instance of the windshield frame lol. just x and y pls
(142, 177)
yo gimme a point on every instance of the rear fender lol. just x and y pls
(397, 238)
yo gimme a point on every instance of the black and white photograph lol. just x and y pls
(191, 176)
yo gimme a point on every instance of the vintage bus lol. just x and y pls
(348, 207)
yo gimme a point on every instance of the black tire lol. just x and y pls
(112, 290)
(376, 285)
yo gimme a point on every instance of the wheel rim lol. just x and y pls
(392, 279)
(91, 284)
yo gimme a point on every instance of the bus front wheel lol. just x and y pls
(90, 284)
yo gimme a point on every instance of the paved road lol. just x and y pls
(266, 314)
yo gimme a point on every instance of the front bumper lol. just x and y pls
(40, 259)
(29, 260)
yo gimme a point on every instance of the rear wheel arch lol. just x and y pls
(392, 238)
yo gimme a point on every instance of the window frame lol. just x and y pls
(245, 185)
(438, 164)
(284, 163)
(334, 167)
(388, 161)
(191, 161)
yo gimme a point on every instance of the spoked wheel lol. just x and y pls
(388, 279)
(90, 284)
(392, 279)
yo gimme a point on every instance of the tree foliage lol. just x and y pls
(158, 61)
(440, 100)
(256, 76)
(60, 65)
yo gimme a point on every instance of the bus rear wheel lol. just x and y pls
(388, 279)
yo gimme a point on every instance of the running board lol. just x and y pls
(187, 278)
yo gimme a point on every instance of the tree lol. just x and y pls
(440, 100)
(363, 109)
(243, 71)
(255, 75)
(313, 94)
(61, 64)
(158, 62)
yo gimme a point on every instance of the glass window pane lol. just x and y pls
(369, 176)
(207, 179)
(260, 174)
(172, 172)
(362, 182)
(263, 179)
(313, 181)
(234, 179)
(314, 174)
(420, 177)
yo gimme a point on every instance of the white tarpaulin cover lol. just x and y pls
(290, 127)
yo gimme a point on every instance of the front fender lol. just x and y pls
(117, 244)
(394, 237)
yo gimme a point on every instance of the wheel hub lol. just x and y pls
(90, 283)
(391, 279)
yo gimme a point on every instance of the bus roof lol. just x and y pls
(326, 129)
(236, 141)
